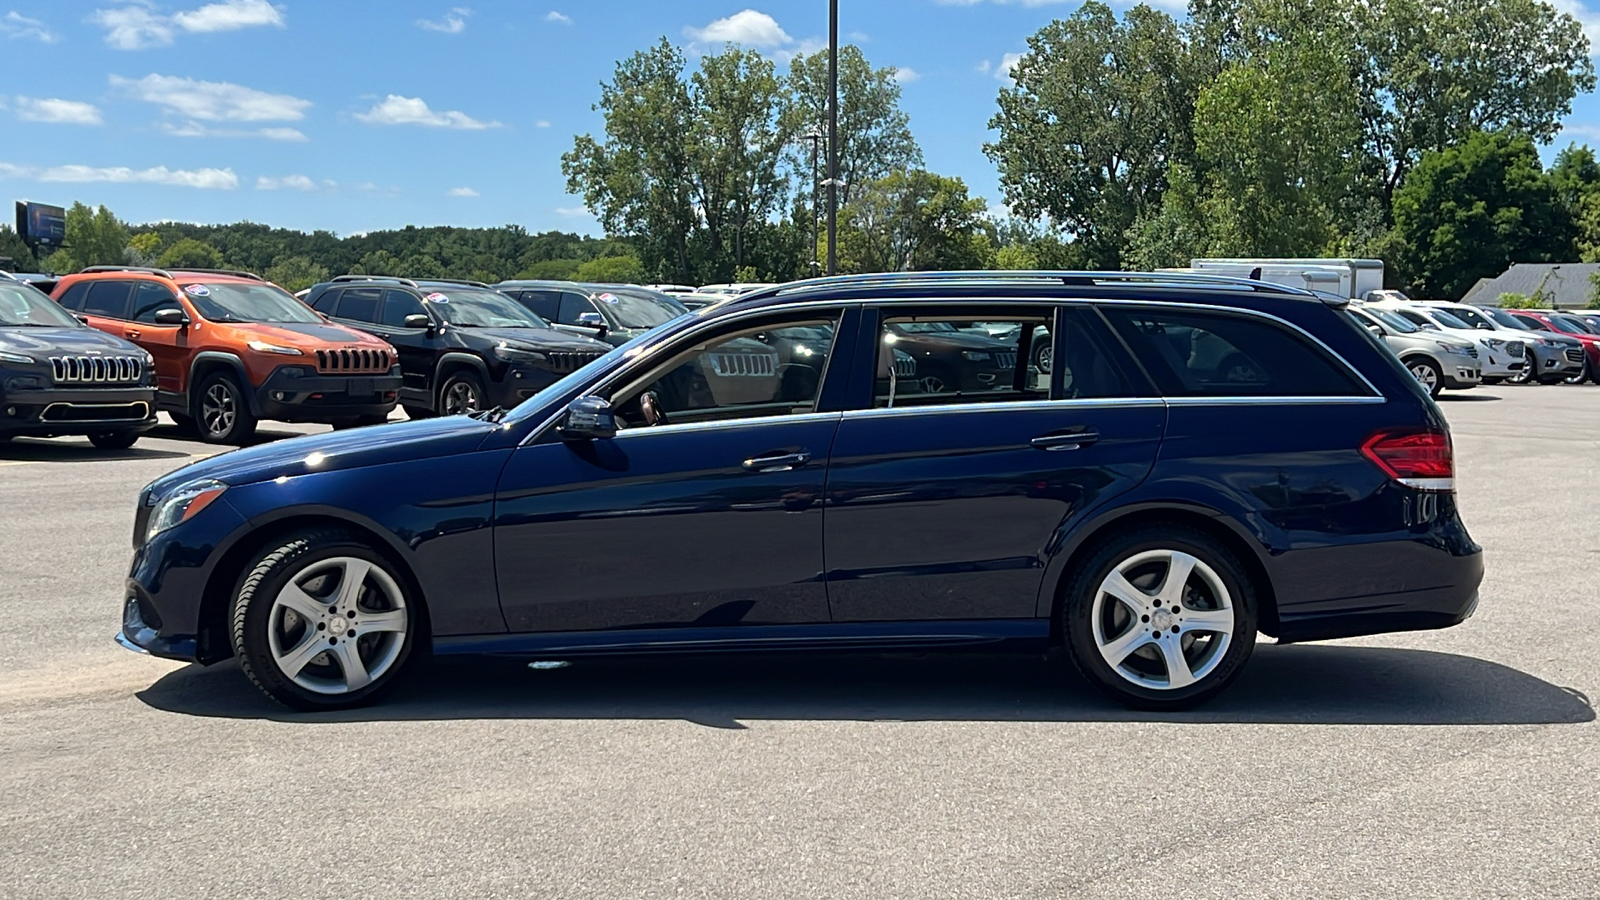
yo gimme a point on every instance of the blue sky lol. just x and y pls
(356, 115)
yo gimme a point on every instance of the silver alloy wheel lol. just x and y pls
(461, 397)
(219, 408)
(337, 626)
(1044, 358)
(1425, 375)
(1162, 619)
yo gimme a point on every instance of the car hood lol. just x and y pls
(305, 335)
(375, 445)
(539, 339)
(42, 342)
(960, 340)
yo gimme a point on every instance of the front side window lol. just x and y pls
(399, 304)
(947, 357)
(235, 302)
(1446, 320)
(773, 369)
(1206, 354)
(151, 297)
(572, 306)
(109, 299)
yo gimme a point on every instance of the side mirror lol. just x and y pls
(588, 419)
(418, 320)
(81, 318)
(1376, 331)
(592, 320)
(172, 317)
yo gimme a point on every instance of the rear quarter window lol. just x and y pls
(1218, 354)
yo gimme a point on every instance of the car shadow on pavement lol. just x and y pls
(1282, 685)
(1465, 398)
(43, 450)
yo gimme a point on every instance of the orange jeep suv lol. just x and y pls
(231, 348)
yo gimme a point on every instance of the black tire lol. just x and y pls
(455, 390)
(185, 424)
(252, 614)
(222, 411)
(114, 440)
(418, 412)
(1078, 611)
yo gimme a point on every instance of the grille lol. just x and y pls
(743, 365)
(564, 361)
(1515, 349)
(352, 361)
(96, 369)
(904, 366)
(1575, 354)
(1005, 360)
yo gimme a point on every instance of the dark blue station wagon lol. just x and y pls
(1145, 469)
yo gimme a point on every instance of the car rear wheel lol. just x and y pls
(324, 622)
(221, 411)
(114, 440)
(462, 393)
(1427, 374)
(1161, 617)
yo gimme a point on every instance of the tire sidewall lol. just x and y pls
(243, 420)
(252, 609)
(1078, 605)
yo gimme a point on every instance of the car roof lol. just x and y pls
(214, 276)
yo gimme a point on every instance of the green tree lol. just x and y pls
(12, 245)
(95, 236)
(190, 254)
(1099, 113)
(611, 270)
(1473, 210)
(296, 273)
(61, 262)
(1016, 257)
(874, 132)
(144, 248)
(551, 269)
(915, 221)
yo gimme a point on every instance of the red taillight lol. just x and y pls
(1418, 458)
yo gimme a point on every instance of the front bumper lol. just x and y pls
(1462, 372)
(287, 397)
(45, 413)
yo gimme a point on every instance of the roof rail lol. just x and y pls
(392, 278)
(461, 281)
(237, 273)
(147, 270)
(1063, 277)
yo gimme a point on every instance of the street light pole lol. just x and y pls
(833, 136)
(815, 136)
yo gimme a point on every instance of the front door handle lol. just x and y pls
(1065, 440)
(777, 462)
(131, 334)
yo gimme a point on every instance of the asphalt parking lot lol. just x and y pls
(1462, 763)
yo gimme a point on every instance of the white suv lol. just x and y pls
(1502, 356)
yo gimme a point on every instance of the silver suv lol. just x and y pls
(1552, 357)
(1437, 361)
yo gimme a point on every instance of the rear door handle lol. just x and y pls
(1067, 440)
(777, 462)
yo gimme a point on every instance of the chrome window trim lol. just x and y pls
(881, 412)
(1276, 401)
(752, 421)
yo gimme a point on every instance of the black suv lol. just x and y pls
(59, 376)
(614, 313)
(463, 346)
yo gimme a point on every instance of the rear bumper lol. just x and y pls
(77, 411)
(323, 398)
(1451, 601)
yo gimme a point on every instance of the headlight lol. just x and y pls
(264, 347)
(1546, 342)
(1493, 343)
(974, 356)
(17, 358)
(183, 504)
(1459, 349)
(516, 354)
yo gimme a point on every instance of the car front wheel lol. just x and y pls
(1161, 618)
(324, 622)
(1427, 374)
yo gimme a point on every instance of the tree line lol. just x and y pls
(1407, 130)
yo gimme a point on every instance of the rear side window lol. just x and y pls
(399, 304)
(150, 298)
(109, 299)
(954, 356)
(360, 304)
(1205, 354)
(544, 304)
(72, 297)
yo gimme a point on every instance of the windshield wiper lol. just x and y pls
(492, 416)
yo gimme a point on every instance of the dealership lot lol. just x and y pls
(1460, 763)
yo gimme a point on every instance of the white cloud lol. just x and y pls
(196, 129)
(983, 67)
(906, 74)
(398, 110)
(558, 18)
(209, 179)
(453, 22)
(61, 112)
(136, 25)
(751, 28)
(292, 182)
(213, 101)
(542, 123)
(1007, 63)
(283, 134)
(17, 25)
(571, 212)
(462, 192)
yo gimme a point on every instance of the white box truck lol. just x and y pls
(1354, 279)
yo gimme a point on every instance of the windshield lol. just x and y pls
(1449, 321)
(229, 302)
(1577, 326)
(1471, 317)
(640, 310)
(1506, 320)
(483, 309)
(1392, 321)
(23, 306)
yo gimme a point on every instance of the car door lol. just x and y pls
(944, 503)
(416, 347)
(107, 304)
(169, 344)
(705, 511)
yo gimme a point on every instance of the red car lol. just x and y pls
(1571, 326)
